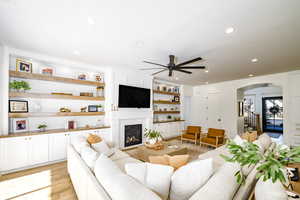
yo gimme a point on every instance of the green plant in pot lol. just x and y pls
(99, 108)
(19, 86)
(152, 136)
(42, 127)
(271, 164)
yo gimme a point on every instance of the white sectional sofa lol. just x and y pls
(220, 186)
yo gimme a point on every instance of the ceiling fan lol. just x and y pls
(172, 66)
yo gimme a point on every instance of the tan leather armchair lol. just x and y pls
(192, 133)
(214, 137)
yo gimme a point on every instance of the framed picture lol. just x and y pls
(176, 98)
(71, 124)
(92, 108)
(18, 106)
(23, 66)
(82, 76)
(19, 125)
(47, 71)
(241, 108)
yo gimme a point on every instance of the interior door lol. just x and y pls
(214, 119)
(273, 114)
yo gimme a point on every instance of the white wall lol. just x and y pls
(228, 101)
(4, 90)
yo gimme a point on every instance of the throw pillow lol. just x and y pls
(189, 178)
(153, 176)
(93, 139)
(265, 141)
(90, 156)
(119, 185)
(178, 160)
(238, 140)
(79, 142)
(102, 147)
(162, 160)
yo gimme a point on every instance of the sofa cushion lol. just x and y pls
(101, 147)
(122, 162)
(79, 142)
(89, 156)
(93, 138)
(265, 141)
(118, 155)
(153, 176)
(218, 161)
(189, 178)
(118, 184)
(221, 186)
(270, 191)
(238, 140)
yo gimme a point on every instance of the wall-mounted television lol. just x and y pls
(134, 97)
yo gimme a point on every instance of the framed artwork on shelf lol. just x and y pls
(18, 106)
(47, 71)
(82, 76)
(71, 124)
(19, 125)
(93, 108)
(176, 98)
(23, 66)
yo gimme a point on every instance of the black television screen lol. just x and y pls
(133, 97)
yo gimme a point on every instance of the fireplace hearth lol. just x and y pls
(133, 135)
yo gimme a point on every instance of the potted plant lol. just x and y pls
(19, 86)
(152, 136)
(272, 164)
(99, 108)
(42, 127)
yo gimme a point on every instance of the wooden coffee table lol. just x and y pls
(143, 153)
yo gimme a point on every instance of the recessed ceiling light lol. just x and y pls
(254, 60)
(91, 21)
(206, 71)
(77, 53)
(229, 30)
(250, 75)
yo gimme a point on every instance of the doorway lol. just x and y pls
(272, 113)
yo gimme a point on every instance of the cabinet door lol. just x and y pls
(58, 146)
(38, 149)
(14, 153)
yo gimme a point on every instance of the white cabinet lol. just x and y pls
(18, 152)
(58, 146)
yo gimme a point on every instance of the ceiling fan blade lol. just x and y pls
(150, 68)
(155, 64)
(192, 67)
(158, 72)
(184, 71)
(190, 61)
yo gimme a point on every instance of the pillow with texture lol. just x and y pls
(265, 141)
(93, 139)
(162, 160)
(238, 140)
(90, 156)
(79, 142)
(118, 185)
(102, 147)
(189, 178)
(177, 161)
(154, 176)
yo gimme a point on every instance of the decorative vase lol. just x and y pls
(42, 129)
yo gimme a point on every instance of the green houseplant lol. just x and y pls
(152, 136)
(42, 127)
(271, 164)
(19, 85)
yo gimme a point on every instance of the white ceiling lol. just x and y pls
(127, 32)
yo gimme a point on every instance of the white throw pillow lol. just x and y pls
(189, 178)
(90, 156)
(221, 186)
(118, 185)
(102, 147)
(238, 140)
(269, 191)
(154, 176)
(79, 142)
(265, 141)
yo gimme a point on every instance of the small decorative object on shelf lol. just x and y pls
(165, 109)
(64, 110)
(86, 94)
(71, 124)
(18, 106)
(93, 108)
(177, 118)
(61, 93)
(164, 88)
(42, 127)
(82, 76)
(99, 77)
(100, 91)
(176, 89)
(172, 109)
(23, 66)
(176, 99)
(169, 89)
(83, 109)
(18, 125)
(19, 86)
(47, 71)
(169, 117)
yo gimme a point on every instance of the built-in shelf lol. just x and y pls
(167, 121)
(54, 114)
(52, 78)
(51, 96)
(166, 112)
(52, 131)
(165, 102)
(166, 93)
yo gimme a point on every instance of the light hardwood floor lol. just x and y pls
(50, 182)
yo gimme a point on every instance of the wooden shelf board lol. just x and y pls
(165, 102)
(51, 96)
(168, 121)
(51, 131)
(55, 114)
(166, 93)
(52, 78)
(166, 112)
